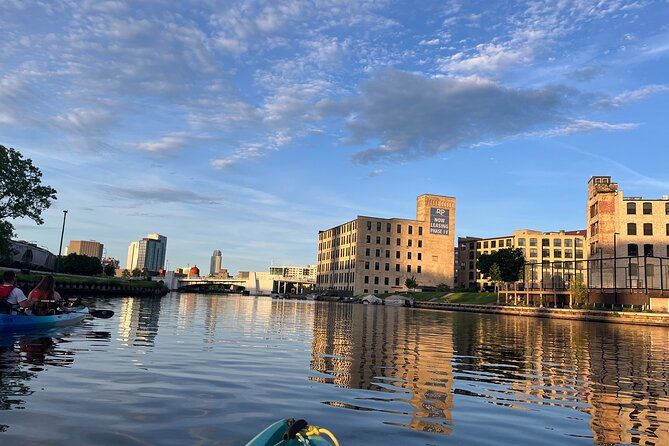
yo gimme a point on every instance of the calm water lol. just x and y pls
(193, 369)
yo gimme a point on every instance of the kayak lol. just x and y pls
(299, 432)
(11, 322)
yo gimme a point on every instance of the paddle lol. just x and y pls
(101, 314)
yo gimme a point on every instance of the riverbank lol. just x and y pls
(625, 317)
(461, 297)
(68, 285)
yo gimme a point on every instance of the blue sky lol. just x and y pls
(247, 126)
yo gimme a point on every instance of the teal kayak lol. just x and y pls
(293, 433)
(15, 322)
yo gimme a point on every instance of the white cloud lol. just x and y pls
(167, 143)
(583, 125)
(634, 95)
(430, 42)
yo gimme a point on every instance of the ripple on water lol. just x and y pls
(194, 369)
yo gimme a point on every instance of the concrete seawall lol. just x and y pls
(656, 319)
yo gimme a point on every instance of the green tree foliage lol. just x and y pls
(109, 270)
(125, 273)
(509, 264)
(579, 292)
(411, 283)
(22, 195)
(136, 273)
(80, 264)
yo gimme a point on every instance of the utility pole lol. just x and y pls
(60, 247)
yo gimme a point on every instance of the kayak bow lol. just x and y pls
(10, 322)
(293, 433)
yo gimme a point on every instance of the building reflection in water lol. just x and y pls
(615, 375)
(138, 321)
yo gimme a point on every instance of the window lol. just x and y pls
(647, 208)
(478, 245)
(631, 208)
(647, 229)
(557, 253)
(410, 243)
(632, 250)
(387, 266)
(631, 228)
(385, 281)
(410, 229)
(420, 228)
(378, 226)
(388, 227)
(378, 240)
(648, 250)
(366, 290)
(369, 225)
(493, 244)
(579, 253)
(397, 267)
(420, 243)
(667, 228)
(367, 252)
(533, 242)
(398, 242)
(485, 244)
(418, 269)
(533, 252)
(366, 279)
(594, 209)
(545, 253)
(408, 268)
(567, 243)
(667, 250)
(366, 265)
(578, 243)
(545, 242)
(420, 256)
(471, 254)
(521, 242)
(397, 281)
(409, 255)
(666, 208)
(471, 265)
(376, 266)
(369, 239)
(387, 253)
(377, 252)
(387, 240)
(376, 280)
(508, 242)
(397, 254)
(568, 254)
(557, 242)
(399, 229)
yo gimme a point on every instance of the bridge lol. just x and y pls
(253, 282)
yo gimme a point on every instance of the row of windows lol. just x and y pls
(345, 240)
(647, 208)
(341, 252)
(398, 242)
(386, 280)
(377, 267)
(347, 227)
(633, 250)
(398, 228)
(492, 244)
(647, 229)
(377, 253)
(336, 278)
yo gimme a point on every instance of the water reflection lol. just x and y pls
(138, 321)
(615, 375)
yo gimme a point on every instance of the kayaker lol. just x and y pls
(44, 298)
(12, 294)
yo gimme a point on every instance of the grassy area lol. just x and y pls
(471, 297)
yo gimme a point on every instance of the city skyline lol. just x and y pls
(249, 129)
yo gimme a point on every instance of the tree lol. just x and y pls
(80, 264)
(510, 263)
(411, 283)
(22, 195)
(578, 292)
(125, 273)
(496, 277)
(136, 273)
(109, 270)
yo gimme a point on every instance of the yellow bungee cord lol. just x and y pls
(312, 431)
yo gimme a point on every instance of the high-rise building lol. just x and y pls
(152, 249)
(89, 248)
(215, 264)
(133, 255)
(370, 254)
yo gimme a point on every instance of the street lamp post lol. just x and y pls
(60, 247)
(615, 267)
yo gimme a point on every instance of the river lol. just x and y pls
(195, 370)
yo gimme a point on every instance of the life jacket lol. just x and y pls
(38, 295)
(5, 291)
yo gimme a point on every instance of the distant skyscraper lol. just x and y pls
(133, 255)
(152, 250)
(84, 247)
(215, 264)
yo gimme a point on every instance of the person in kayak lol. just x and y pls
(11, 294)
(45, 299)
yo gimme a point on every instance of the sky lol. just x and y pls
(248, 126)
